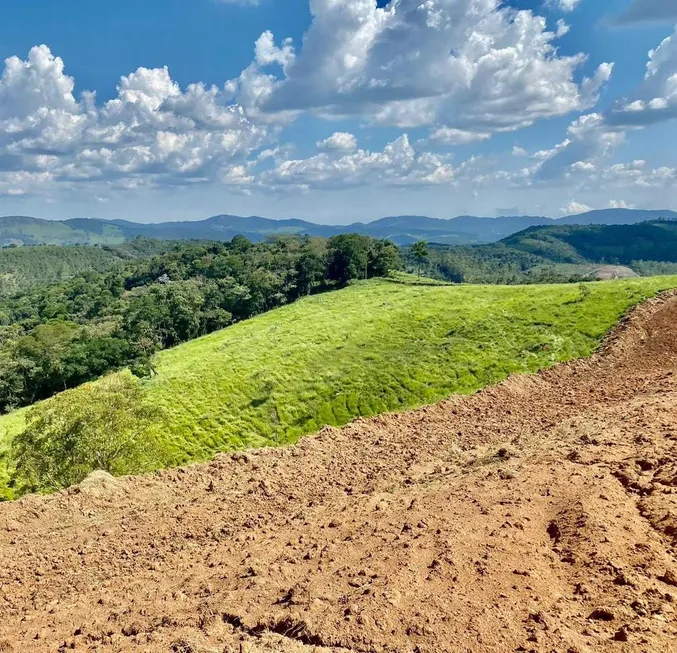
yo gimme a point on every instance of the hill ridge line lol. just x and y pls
(401, 229)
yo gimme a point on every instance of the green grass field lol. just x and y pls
(376, 346)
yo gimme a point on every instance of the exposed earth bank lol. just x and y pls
(537, 515)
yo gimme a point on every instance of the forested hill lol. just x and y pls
(557, 254)
(22, 268)
(402, 230)
(615, 244)
(57, 336)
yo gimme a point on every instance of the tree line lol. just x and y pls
(58, 336)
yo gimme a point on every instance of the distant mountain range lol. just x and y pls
(403, 230)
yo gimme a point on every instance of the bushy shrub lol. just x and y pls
(98, 426)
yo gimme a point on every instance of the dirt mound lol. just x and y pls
(606, 272)
(539, 515)
(97, 483)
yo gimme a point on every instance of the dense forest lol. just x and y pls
(57, 336)
(472, 264)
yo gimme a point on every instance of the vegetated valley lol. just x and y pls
(340, 351)
(546, 497)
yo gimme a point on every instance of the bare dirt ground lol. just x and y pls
(605, 272)
(538, 515)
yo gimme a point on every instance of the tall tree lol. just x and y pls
(420, 253)
(348, 257)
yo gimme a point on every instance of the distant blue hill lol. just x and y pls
(403, 230)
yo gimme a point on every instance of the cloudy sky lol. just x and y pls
(336, 110)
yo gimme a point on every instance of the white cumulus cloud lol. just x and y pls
(463, 70)
(451, 136)
(656, 98)
(471, 65)
(619, 204)
(152, 133)
(398, 164)
(574, 208)
(638, 175)
(338, 142)
(593, 137)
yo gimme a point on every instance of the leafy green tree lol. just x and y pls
(384, 257)
(103, 426)
(171, 312)
(241, 244)
(311, 266)
(44, 350)
(265, 290)
(216, 319)
(89, 358)
(184, 301)
(13, 380)
(420, 253)
(451, 270)
(348, 257)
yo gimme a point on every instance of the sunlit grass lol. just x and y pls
(376, 346)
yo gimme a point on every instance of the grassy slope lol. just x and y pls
(374, 347)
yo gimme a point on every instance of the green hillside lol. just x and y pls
(375, 346)
(622, 244)
(23, 268)
(554, 254)
(21, 230)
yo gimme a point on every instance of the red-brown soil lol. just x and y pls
(537, 515)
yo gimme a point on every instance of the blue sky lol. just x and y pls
(336, 110)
